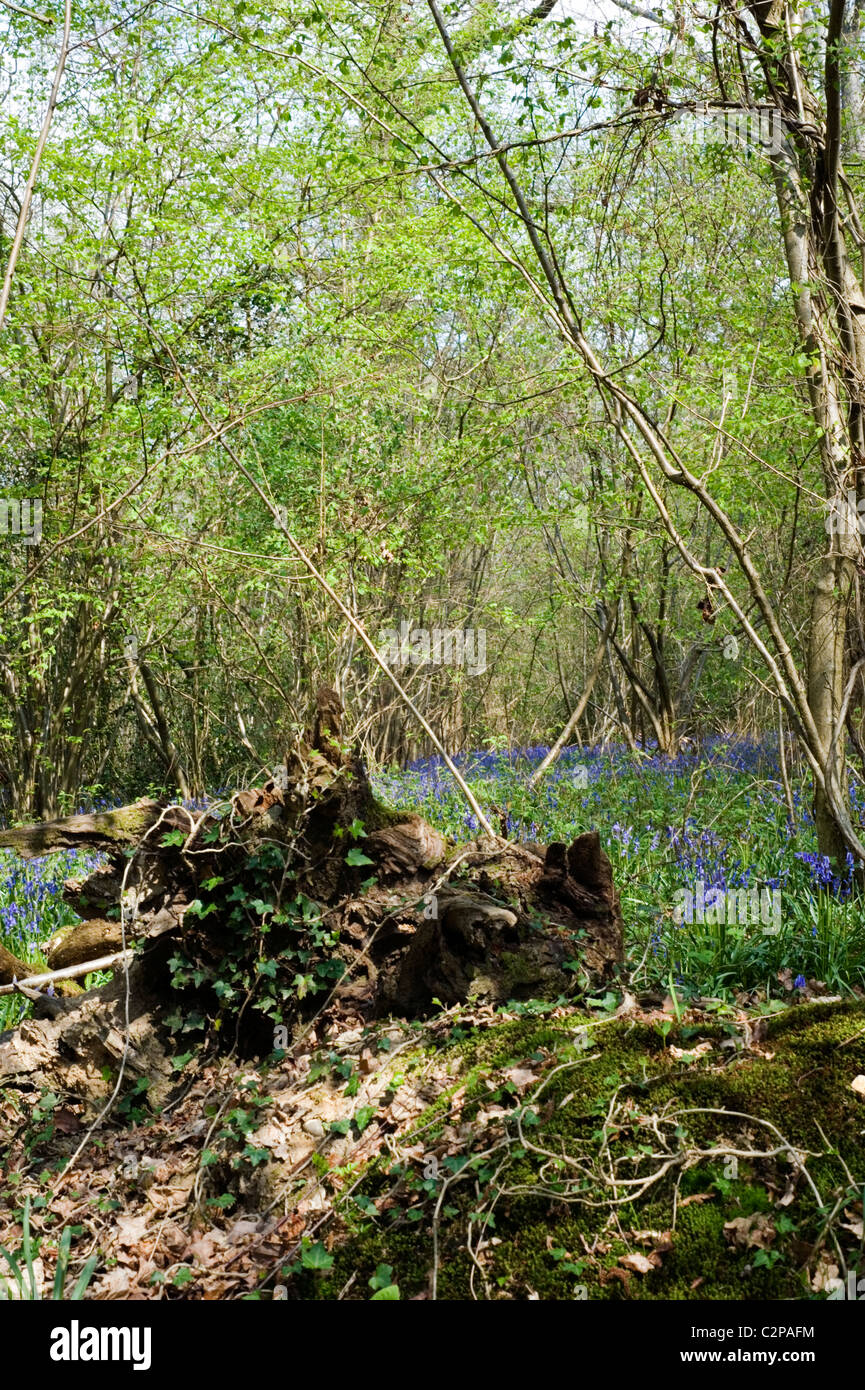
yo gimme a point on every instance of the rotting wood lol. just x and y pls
(414, 918)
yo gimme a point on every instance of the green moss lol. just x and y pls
(377, 816)
(518, 970)
(802, 1089)
(124, 826)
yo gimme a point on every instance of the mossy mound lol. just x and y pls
(527, 1175)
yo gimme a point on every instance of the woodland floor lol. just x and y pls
(693, 1132)
(481, 1154)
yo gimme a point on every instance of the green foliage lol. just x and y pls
(216, 223)
(23, 1273)
(511, 1187)
(383, 1285)
(275, 950)
(32, 911)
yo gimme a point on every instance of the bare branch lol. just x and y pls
(31, 14)
(70, 972)
(37, 160)
(654, 16)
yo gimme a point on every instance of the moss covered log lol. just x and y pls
(537, 1112)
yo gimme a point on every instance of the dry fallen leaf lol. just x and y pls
(9, 1286)
(659, 1240)
(113, 1284)
(754, 1030)
(485, 1118)
(521, 1077)
(269, 1136)
(825, 1278)
(242, 1228)
(640, 1264)
(204, 1247)
(858, 1085)
(131, 1229)
(747, 1231)
(691, 1053)
(172, 1194)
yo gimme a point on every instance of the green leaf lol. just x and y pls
(316, 1257)
(62, 1264)
(382, 1278)
(84, 1279)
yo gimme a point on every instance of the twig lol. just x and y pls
(69, 972)
(31, 14)
(37, 160)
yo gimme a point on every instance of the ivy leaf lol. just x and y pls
(316, 1257)
(382, 1278)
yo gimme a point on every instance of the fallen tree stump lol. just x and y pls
(14, 968)
(101, 830)
(305, 894)
(82, 942)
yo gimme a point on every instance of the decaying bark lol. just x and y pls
(13, 968)
(82, 942)
(104, 830)
(416, 920)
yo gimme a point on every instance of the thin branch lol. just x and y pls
(655, 16)
(31, 14)
(69, 972)
(37, 160)
(563, 737)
